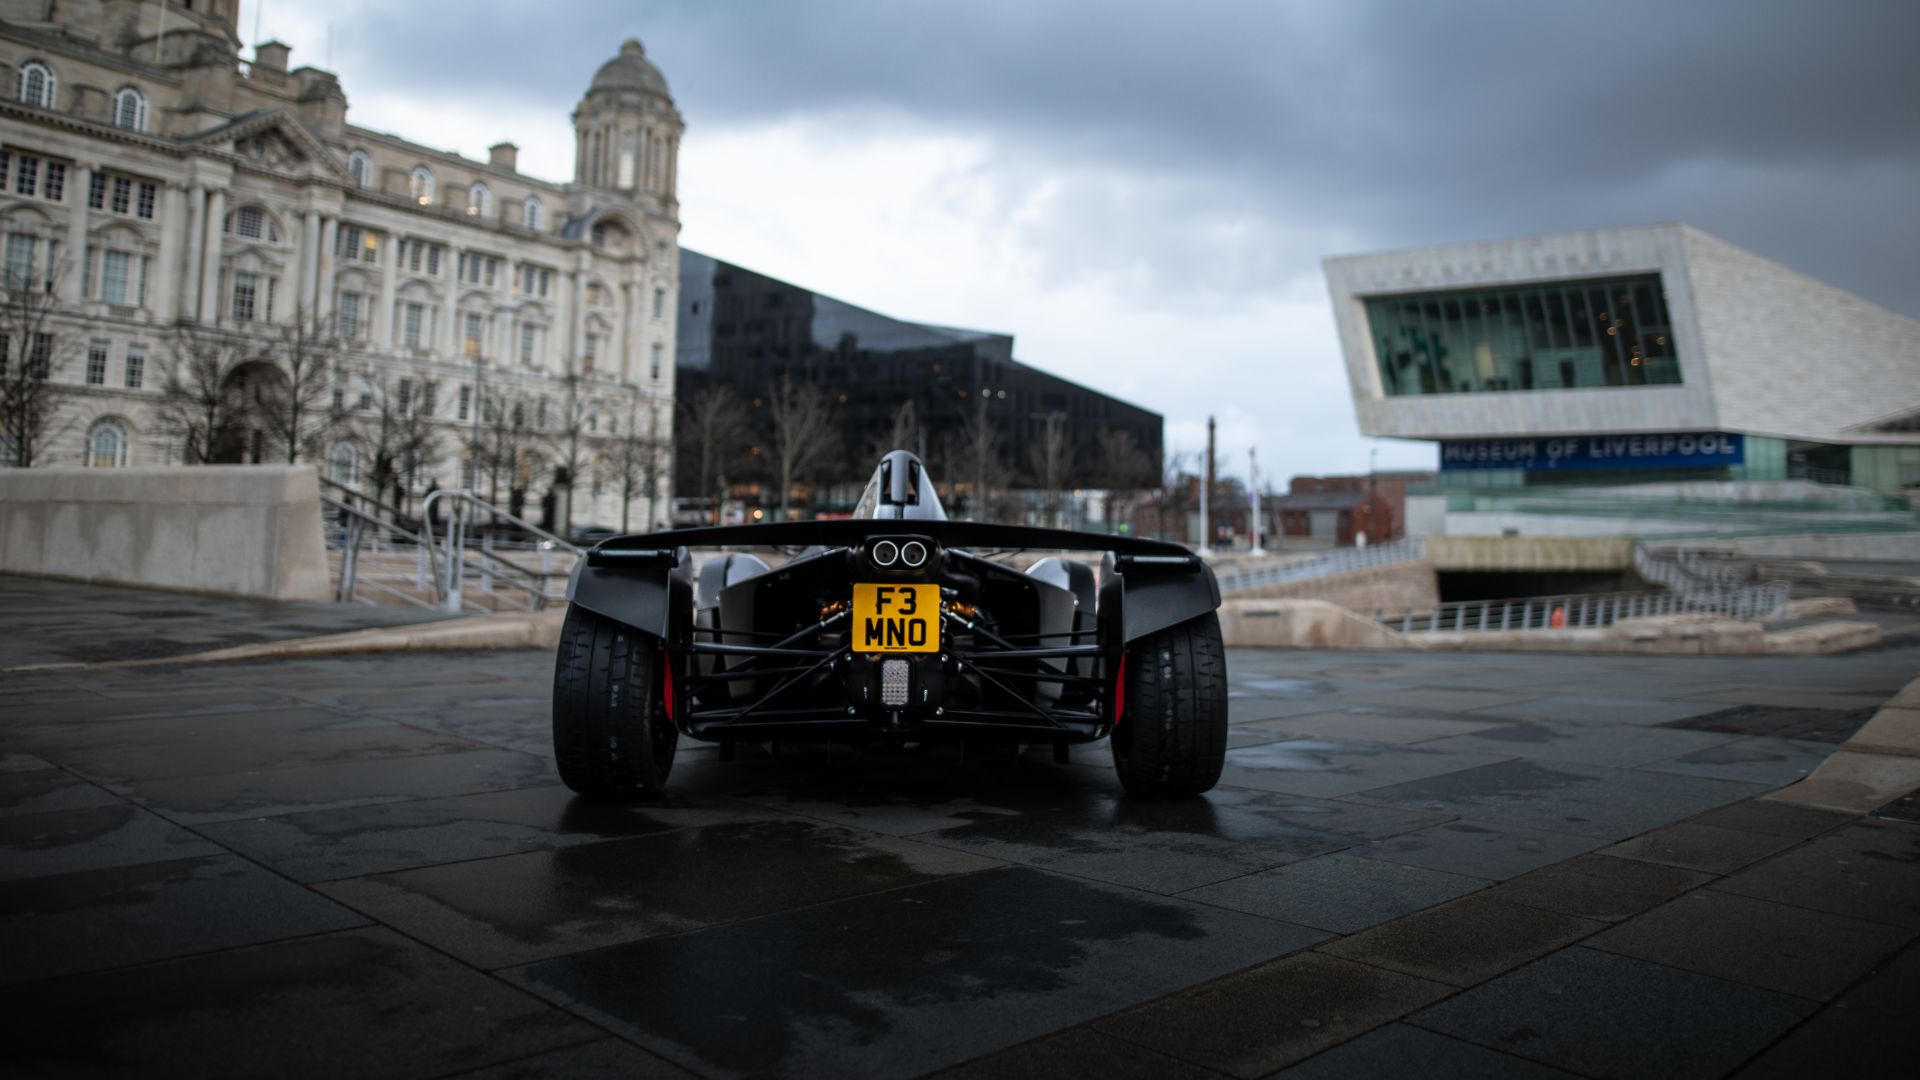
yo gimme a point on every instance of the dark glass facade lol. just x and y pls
(745, 330)
(1564, 335)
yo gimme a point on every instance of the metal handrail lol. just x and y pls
(357, 519)
(1338, 561)
(465, 505)
(1591, 609)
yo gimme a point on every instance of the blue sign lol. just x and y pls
(1698, 449)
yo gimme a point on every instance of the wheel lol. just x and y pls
(1171, 738)
(611, 735)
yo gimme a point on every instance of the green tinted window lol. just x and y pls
(1564, 336)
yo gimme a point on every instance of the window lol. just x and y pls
(136, 366)
(248, 221)
(113, 276)
(40, 357)
(475, 326)
(540, 412)
(56, 188)
(1566, 335)
(480, 200)
(348, 320)
(130, 109)
(355, 244)
(654, 360)
(26, 178)
(418, 256)
(465, 403)
(246, 292)
(405, 394)
(427, 397)
(412, 325)
(143, 203)
(360, 167)
(596, 294)
(122, 194)
(659, 303)
(529, 335)
(533, 214)
(25, 172)
(420, 185)
(343, 464)
(106, 444)
(366, 393)
(19, 262)
(36, 84)
(593, 350)
(96, 363)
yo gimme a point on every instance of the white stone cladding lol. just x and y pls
(221, 137)
(1762, 349)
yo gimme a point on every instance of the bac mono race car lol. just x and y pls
(892, 631)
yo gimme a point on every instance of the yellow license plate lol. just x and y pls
(896, 618)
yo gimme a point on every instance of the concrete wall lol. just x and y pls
(1401, 587)
(1530, 553)
(242, 530)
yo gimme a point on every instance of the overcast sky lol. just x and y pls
(1142, 192)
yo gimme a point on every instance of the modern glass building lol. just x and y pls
(1645, 355)
(746, 331)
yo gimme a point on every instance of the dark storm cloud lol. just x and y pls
(1790, 128)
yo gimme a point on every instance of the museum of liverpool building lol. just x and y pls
(1657, 359)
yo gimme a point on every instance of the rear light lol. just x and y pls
(895, 683)
(1120, 691)
(666, 671)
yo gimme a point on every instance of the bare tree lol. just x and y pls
(975, 453)
(1052, 461)
(569, 442)
(293, 408)
(802, 436)
(902, 434)
(636, 459)
(714, 434)
(201, 402)
(500, 441)
(399, 435)
(1124, 468)
(1175, 493)
(32, 353)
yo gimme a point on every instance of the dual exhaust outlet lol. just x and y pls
(911, 554)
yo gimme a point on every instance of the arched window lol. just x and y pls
(107, 444)
(420, 185)
(36, 84)
(480, 200)
(534, 215)
(360, 167)
(343, 464)
(130, 109)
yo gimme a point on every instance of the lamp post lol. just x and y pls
(1253, 490)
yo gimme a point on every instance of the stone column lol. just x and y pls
(385, 332)
(450, 307)
(164, 301)
(196, 251)
(323, 285)
(210, 257)
(309, 266)
(75, 273)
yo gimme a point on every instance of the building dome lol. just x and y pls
(630, 71)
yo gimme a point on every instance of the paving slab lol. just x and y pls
(197, 800)
(98, 919)
(1774, 819)
(1333, 767)
(1587, 800)
(1274, 1015)
(1465, 942)
(147, 703)
(91, 838)
(1869, 870)
(1339, 893)
(1478, 848)
(1358, 725)
(1597, 709)
(1759, 760)
(1867, 1031)
(1810, 954)
(1792, 696)
(361, 1003)
(516, 909)
(1599, 1014)
(907, 981)
(1078, 1051)
(606, 1059)
(38, 790)
(1694, 846)
(1392, 1051)
(362, 840)
(1441, 699)
(1600, 887)
(1586, 741)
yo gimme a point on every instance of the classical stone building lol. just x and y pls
(166, 190)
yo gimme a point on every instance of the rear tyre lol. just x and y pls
(1172, 737)
(611, 735)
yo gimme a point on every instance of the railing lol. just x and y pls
(1757, 602)
(1337, 561)
(463, 507)
(363, 521)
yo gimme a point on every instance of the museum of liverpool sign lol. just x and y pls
(1698, 449)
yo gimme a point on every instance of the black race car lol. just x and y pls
(893, 631)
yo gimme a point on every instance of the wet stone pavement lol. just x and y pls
(1487, 865)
